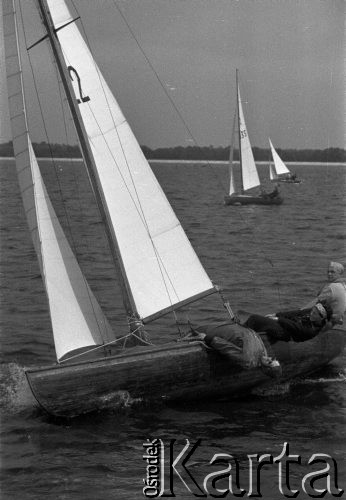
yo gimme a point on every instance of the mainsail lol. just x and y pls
(5, 133)
(231, 155)
(159, 263)
(279, 165)
(248, 166)
(77, 320)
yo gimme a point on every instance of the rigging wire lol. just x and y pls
(45, 128)
(124, 338)
(138, 206)
(182, 118)
(146, 225)
(175, 107)
(76, 184)
(183, 121)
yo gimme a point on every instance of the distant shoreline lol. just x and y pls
(196, 162)
(216, 162)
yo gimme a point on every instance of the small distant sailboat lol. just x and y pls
(278, 172)
(248, 170)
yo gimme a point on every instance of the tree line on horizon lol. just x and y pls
(204, 153)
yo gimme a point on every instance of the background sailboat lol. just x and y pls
(249, 177)
(159, 269)
(279, 171)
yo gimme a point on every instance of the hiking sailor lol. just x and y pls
(333, 293)
(241, 346)
(298, 325)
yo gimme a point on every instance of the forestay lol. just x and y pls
(77, 320)
(248, 166)
(280, 167)
(160, 264)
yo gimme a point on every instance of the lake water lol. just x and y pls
(265, 258)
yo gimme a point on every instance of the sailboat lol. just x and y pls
(278, 172)
(249, 178)
(158, 270)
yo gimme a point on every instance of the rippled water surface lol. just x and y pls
(265, 258)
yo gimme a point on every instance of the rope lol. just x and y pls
(143, 335)
(140, 211)
(175, 107)
(95, 348)
(214, 170)
(138, 206)
(124, 337)
(148, 342)
(57, 178)
(227, 306)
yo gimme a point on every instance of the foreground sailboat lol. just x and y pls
(278, 172)
(249, 178)
(158, 269)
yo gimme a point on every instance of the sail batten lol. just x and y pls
(159, 263)
(76, 317)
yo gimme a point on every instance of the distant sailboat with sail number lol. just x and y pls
(249, 177)
(158, 269)
(278, 172)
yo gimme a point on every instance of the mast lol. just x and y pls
(239, 138)
(128, 300)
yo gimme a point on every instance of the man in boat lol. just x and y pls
(333, 293)
(272, 194)
(275, 192)
(298, 325)
(241, 346)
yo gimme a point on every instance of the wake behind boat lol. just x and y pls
(249, 178)
(158, 269)
(278, 172)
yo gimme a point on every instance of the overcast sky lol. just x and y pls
(290, 55)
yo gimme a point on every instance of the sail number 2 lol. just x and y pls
(243, 134)
(72, 72)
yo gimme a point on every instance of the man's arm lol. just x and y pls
(295, 313)
(310, 304)
(324, 294)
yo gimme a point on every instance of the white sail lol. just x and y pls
(248, 165)
(231, 180)
(231, 154)
(77, 320)
(5, 134)
(280, 167)
(160, 264)
(272, 173)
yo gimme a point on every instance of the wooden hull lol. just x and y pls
(173, 371)
(289, 181)
(243, 199)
